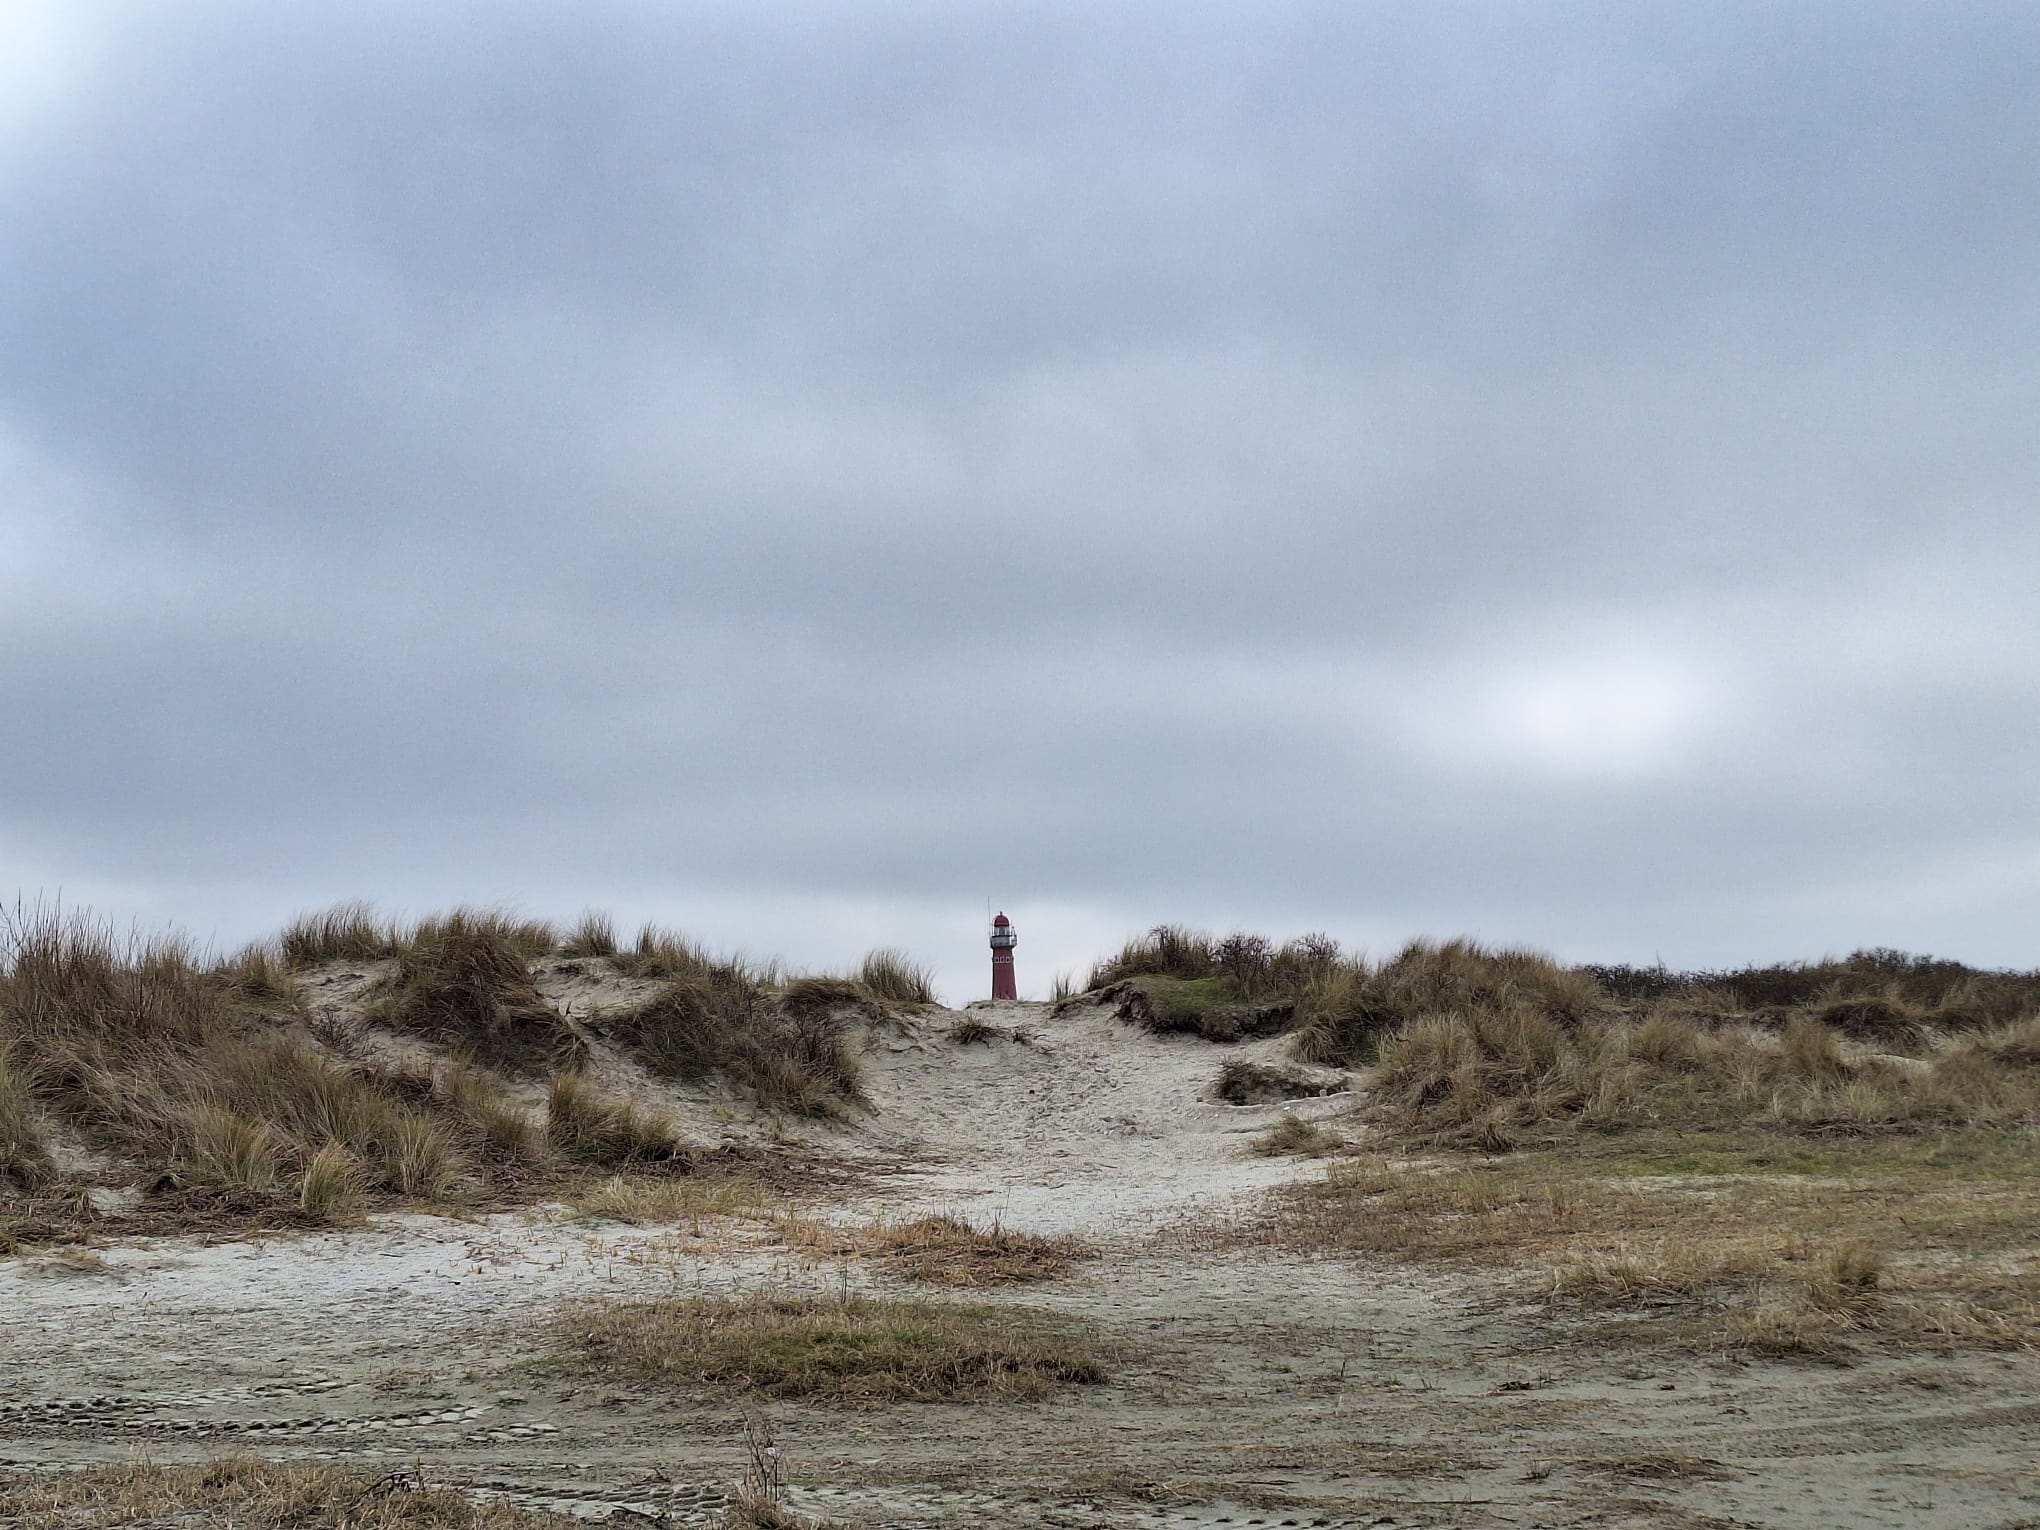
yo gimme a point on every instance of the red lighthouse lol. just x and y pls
(1004, 939)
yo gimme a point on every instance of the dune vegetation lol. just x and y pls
(140, 1080)
(1768, 1158)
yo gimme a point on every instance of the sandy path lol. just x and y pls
(1323, 1392)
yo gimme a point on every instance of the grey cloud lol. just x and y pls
(1381, 467)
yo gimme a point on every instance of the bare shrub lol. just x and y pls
(971, 1031)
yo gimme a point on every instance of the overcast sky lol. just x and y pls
(1565, 473)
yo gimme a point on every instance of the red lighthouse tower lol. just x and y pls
(1004, 939)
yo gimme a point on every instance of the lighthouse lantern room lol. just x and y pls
(1004, 939)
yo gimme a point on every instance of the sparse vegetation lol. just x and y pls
(855, 1350)
(249, 1495)
(940, 1250)
(971, 1031)
(1745, 1249)
(692, 1198)
(950, 1251)
(1292, 1136)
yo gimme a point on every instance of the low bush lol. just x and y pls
(1252, 966)
(1493, 1077)
(1942, 993)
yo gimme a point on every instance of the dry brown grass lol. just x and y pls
(789, 1050)
(1292, 1136)
(247, 1495)
(1494, 1078)
(234, 1117)
(469, 986)
(691, 1198)
(24, 1156)
(594, 934)
(1351, 1008)
(950, 1251)
(941, 1250)
(587, 1125)
(1885, 1241)
(351, 932)
(859, 1351)
(894, 978)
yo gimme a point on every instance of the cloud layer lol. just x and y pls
(806, 471)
